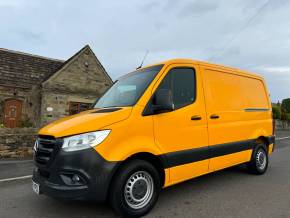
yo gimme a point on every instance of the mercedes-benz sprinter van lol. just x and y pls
(155, 127)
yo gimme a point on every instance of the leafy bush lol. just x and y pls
(288, 117)
(1, 125)
(276, 112)
(26, 123)
(286, 105)
(284, 115)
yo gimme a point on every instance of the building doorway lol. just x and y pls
(12, 113)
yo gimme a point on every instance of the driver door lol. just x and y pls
(182, 133)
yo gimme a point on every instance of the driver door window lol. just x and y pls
(182, 83)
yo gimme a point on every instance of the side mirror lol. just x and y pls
(162, 101)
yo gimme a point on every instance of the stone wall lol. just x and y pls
(82, 79)
(17, 142)
(59, 102)
(282, 124)
(83, 74)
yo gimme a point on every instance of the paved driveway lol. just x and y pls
(228, 193)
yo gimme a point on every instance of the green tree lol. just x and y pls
(283, 114)
(276, 112)
(288, 117)
(286, 105)
(284, 117)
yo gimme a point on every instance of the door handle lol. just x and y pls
(214, 116)
(196, 117)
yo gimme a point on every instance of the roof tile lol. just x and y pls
(25, 70)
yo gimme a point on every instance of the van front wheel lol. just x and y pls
(135, 189)
(259, 162)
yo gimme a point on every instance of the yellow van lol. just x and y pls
(155, 127)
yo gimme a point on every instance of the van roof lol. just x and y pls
(203, 63)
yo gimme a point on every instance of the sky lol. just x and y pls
(252, 35)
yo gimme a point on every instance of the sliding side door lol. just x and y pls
(225, 103)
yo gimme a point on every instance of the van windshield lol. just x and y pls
(127, 90)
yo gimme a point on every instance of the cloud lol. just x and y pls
(12, 3)
(197, 8)
(283, 70)
(149, 6)
(121, 31)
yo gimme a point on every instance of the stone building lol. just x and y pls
(36, 90)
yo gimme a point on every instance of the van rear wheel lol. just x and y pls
(259, 161)
(135, 189)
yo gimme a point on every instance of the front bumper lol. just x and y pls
(93, 171)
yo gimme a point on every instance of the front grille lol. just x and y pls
(46, 149)
(43, 173)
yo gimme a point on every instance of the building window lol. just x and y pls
(77, 107)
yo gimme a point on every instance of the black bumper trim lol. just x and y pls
(95, 173)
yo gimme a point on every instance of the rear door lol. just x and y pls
(182, 134)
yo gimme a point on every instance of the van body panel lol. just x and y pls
(132, 136)
(225, 161)
(87, 121)
(187, 171)
(221, 91)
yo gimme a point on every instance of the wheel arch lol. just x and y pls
(263, 139)
(156, 161)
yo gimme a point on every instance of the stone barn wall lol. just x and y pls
(60, 104)
(83, 80)
(17, 142)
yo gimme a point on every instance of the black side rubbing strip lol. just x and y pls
(230, 148)
(186, 156)
(256, 109)
(177, 158)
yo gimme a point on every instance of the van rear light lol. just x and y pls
(274, 126)
(273, 123)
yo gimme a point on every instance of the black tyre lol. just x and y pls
(135, 189)
(259, 161)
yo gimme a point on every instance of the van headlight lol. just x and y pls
(83, 141)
